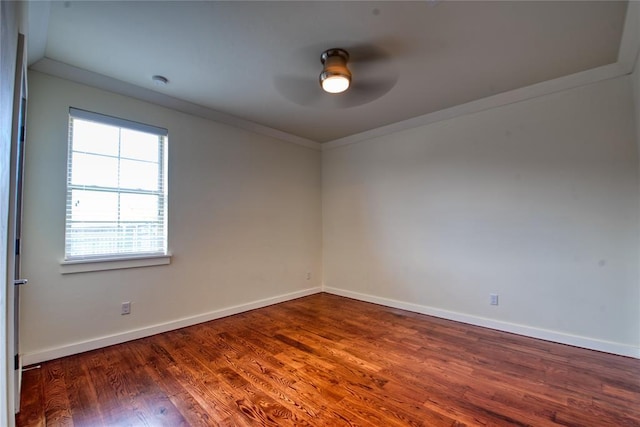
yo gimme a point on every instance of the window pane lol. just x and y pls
(93, 239)
(111, 171)
(139, 145)
(95, 137)
(93, 206)
(138, 207)
(138, 175)
(90, 169)
(141, 237)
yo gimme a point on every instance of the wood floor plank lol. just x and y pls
(57, 408)
(328, 361)
(81, 392)
(31, 404)
(151, 404)
(192, 412)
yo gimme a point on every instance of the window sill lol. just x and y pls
(83, 266)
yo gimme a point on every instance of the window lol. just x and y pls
(116, 188)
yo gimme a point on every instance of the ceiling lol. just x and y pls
(258, 62)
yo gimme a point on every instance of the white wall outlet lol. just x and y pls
(309, 275)
(493, 299)
(126, 308)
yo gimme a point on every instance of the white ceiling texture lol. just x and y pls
(256, 64)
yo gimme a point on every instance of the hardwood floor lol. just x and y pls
(325, 360)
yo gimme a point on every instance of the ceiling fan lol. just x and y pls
(349, 77)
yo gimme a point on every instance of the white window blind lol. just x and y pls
(116, 188)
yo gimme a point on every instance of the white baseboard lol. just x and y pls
(92, 344)
(544, 334)
(559, 337)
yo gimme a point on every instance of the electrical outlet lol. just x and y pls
(126, 308)
(493, 299)
(309, 276)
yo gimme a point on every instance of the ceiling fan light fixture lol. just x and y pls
(335, 76)
(335, 83)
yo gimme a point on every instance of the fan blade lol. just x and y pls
(302, 91)
(364, 92)
(307, 92)
(365, 53)
(376, 51)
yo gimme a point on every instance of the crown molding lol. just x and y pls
(100, 81)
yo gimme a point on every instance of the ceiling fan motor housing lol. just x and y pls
(335, 65)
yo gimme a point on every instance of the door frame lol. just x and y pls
(16, 171)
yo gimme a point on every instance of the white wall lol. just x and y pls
(536, 201)
(244, 226)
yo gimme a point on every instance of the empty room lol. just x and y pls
(320, 213)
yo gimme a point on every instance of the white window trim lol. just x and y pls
(116, 263)
(102, 263)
